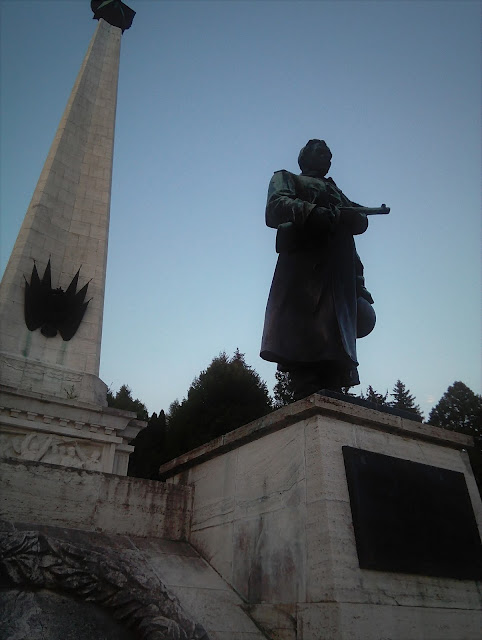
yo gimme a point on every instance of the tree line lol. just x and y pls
(229, 393)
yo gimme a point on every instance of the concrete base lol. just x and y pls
(267, 513)
(272, 514)
(48, 495)
(347, 621)
(52, 380)
(66, 432)
(71, 539)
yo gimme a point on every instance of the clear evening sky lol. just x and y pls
(214, 97)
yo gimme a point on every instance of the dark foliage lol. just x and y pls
(402, 399)
(282, 391)
(460, 409)
(227, 395)
(149, 445)
(123, 400)
(372, 396)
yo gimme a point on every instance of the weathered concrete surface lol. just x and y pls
(47, 494)
(68, 222)
(312, 406)
(279, 621)
(346, 621)
(159, 588)
(267, 510)
(47, 615)
(201, 591)
(271, 513)
(66, 225)
(65, 432)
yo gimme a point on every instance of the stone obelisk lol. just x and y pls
(67, 222)
(52, 292)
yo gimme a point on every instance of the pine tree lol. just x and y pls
(402, 399)
(149, 445)
(282, 391)
(460, 409)
(227, 395)
(123, 400)
(372, 396)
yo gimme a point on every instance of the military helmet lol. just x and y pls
(365, 318)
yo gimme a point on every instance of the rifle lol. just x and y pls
(368, 211)
(287, 236)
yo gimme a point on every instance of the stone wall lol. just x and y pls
(65, 431)
(47, 494)
(66, 583)
(272, 514)
(268, 509)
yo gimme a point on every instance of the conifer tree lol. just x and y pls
(372, 396)
(402, 399)
(149, 445)
(123, 400)
(460, 409)
(226, 395)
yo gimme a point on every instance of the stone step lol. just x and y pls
(146, 584)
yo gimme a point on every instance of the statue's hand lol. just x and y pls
(322, 220)
(355, 221)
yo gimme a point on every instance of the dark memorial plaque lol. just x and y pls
(411, 518)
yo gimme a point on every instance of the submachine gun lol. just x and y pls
(288, 235)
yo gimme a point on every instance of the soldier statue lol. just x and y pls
(318, 304)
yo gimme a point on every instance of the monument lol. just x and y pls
(53, 402)
(85, 551)
(324, 519)
(318, 304)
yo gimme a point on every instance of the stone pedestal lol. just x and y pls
(272, 514)
(90, 555)
(65, 432)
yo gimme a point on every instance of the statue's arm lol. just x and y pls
(283, 205)
(355, 221)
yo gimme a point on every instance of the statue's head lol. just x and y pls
(315, 158)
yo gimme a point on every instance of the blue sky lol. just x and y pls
(214, 97)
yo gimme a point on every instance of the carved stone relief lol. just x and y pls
(47, 615)
(7, 446)
(53, 450)
(31, 560)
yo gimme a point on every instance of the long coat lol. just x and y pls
(311, 310)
